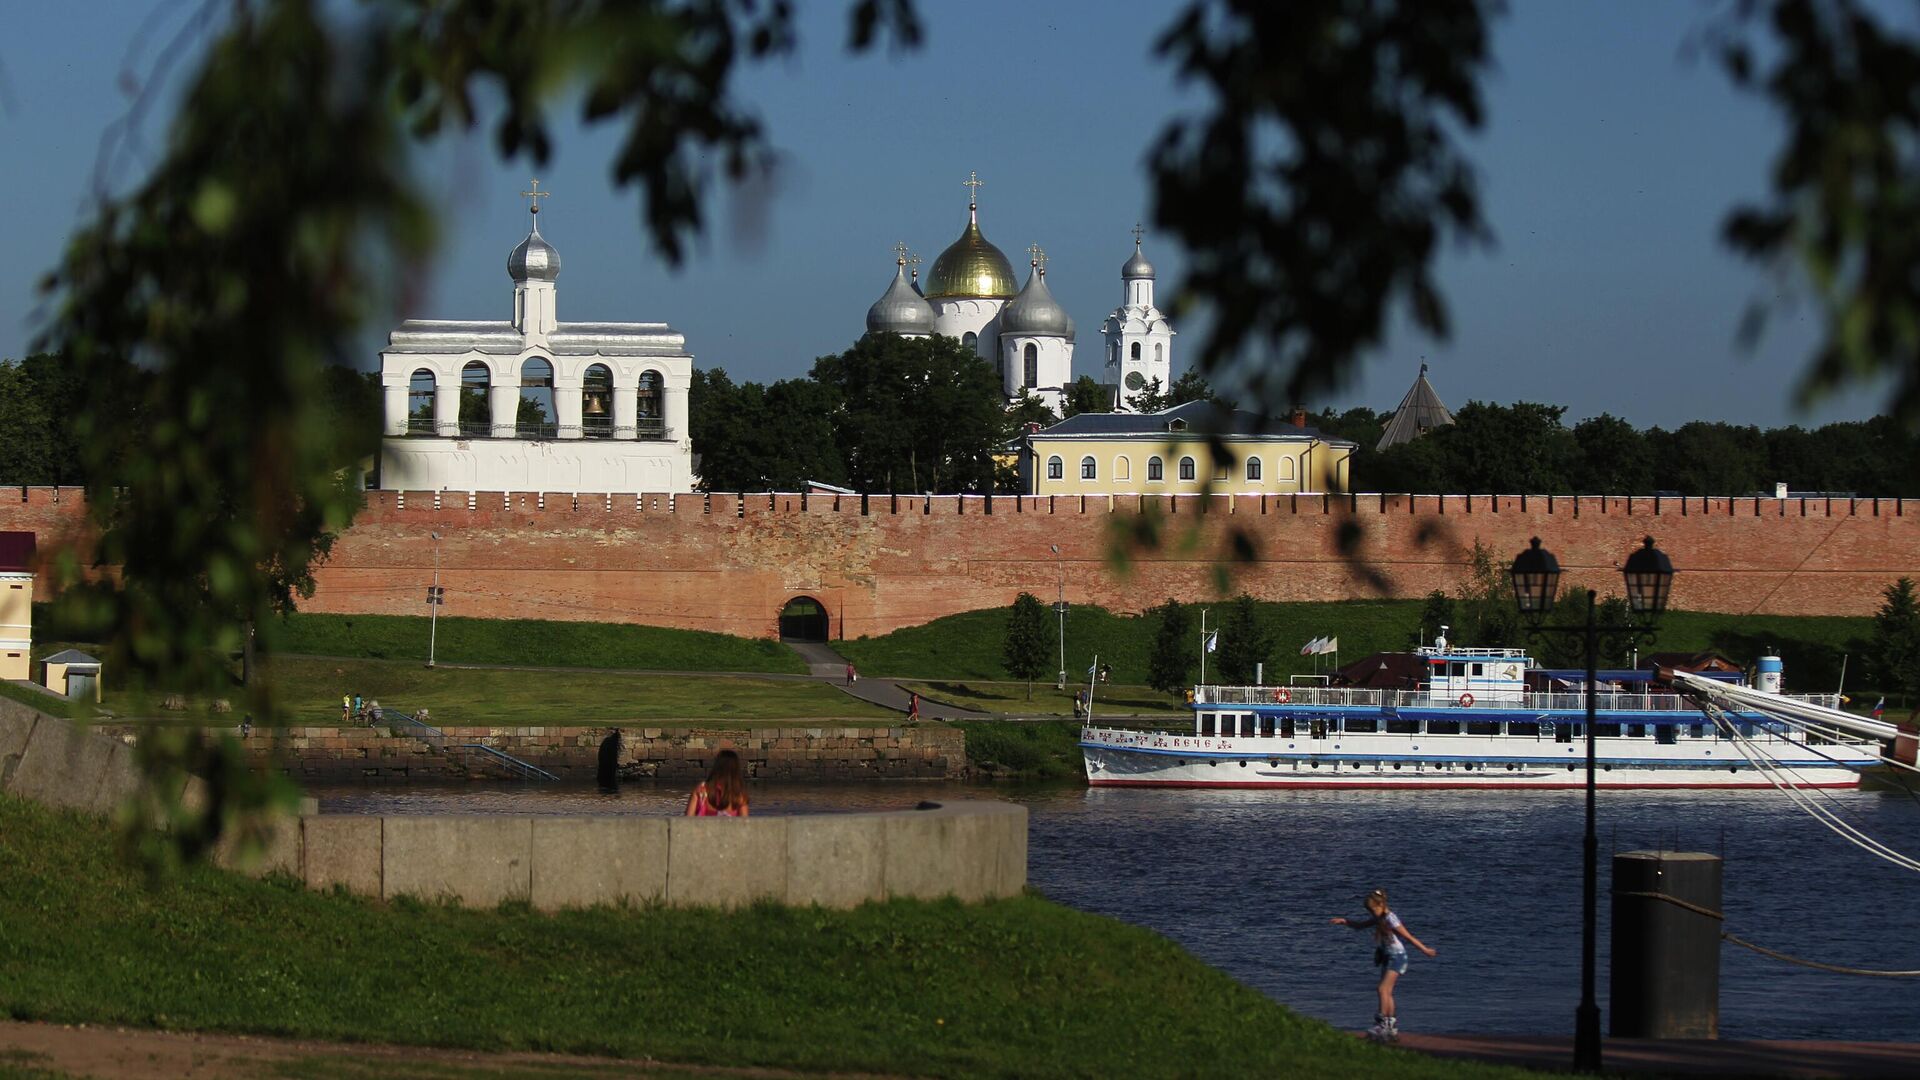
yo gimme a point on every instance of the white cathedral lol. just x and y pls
(1026, 334)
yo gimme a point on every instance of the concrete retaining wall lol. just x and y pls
(968, 850)
(923, 752)
(61, 764)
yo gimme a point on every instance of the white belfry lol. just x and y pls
(1036, 341)
(535, 404)
(1139, 339)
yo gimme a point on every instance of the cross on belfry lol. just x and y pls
(973, 181)
(536, 195)
(1137, 233)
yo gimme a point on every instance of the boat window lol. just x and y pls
(1527, 728)
(1474, 670)
(1698, 731)
(1443, 727)
(1483, 727)
(1365, 725)
(1563, 732)
(1206, 723)
(1574, 732)
(1636, 731)
(1266, 727)
(1286, 727)
(1317, 728)
(1606, 731)
(1665, 734)
(1403, 727)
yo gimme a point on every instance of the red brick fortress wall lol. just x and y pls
(730, 562)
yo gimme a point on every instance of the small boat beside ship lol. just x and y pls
(1485, 718)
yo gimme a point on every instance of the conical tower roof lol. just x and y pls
(1420, 412)
(971, 267)
(534, 259)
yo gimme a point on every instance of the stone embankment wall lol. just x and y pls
(968, 850)
(572, 753)
(877, 563)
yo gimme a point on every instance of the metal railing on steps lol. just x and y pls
(397, 720)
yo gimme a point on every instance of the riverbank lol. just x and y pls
(1012, 988)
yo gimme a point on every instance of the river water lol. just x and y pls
(1247, 880)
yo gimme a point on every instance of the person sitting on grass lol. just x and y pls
(723, 793)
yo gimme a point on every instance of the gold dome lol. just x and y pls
(971, 267)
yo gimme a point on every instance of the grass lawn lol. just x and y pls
(1045, 750)
(309, 689)
(538, 643)
(1111, 700)
(967, 647)
(1021, 988)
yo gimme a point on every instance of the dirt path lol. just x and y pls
(110, 1053)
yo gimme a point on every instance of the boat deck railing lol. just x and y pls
(1504, 700)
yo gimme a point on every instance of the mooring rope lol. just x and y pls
(1762, 949)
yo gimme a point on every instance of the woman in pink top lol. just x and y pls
(724, 793)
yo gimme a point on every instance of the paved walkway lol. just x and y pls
(826, 664)
(110, 1053)
(1685, 1057)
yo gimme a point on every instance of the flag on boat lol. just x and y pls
(1213, 640)
(1878, 706)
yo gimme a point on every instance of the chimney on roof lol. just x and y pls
(1299, 417)
(1033, 427)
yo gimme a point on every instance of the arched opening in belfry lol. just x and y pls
(475, 380)
(647, 407)
(803, 619)
(420, 403)
(537, 418)
(596, 402)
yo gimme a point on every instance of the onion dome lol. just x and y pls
(901, 310)
(534, 259)
(1138, 266)
(971, 267)
(1035, 313)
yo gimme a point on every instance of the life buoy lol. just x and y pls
(1283, 695)
(1466, 701)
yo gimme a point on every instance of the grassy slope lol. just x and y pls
(1044, 751)
(534, 642)
(1015, 988)
(967, 646)
(309, 692)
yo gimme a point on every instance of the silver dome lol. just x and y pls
(1138, 266)
(534, 259)
(902, 310)
(1035, 313)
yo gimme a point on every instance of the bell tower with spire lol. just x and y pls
(1138, 337)
(534, 267)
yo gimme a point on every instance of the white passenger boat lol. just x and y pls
(1485, 718)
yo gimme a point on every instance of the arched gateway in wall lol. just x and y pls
(803, 619)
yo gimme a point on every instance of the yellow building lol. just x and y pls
(16, 605)
(1170, 453)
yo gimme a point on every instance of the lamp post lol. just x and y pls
(434, 599)
(1060, 608)
(1536, 576)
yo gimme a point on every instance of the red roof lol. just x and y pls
(16, 552)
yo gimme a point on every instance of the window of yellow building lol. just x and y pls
(1088, 470)
(1253, 469)
(1155, 470)
(1056, 469)
(1122, 469)
(1186, 468)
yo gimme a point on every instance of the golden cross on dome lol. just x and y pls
(973, 181)
(536, 195)
(900, 252)
(914, 261)
(1137, 233)
(1039, 255)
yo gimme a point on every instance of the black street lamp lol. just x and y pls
(1536, 577)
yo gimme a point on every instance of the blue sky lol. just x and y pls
(1606, 166)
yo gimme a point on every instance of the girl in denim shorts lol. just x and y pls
(1389, 955)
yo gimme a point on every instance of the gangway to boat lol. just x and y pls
(442, 742)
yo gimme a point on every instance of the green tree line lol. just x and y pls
(1527, 447)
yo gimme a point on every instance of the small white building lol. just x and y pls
(536, 404)
(1139, 339)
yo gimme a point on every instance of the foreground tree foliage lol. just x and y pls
(1312, 190)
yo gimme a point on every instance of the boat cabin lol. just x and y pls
(1469, 677)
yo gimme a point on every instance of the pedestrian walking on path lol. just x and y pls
(852, 676)
(913, 706)
(1389, 955)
